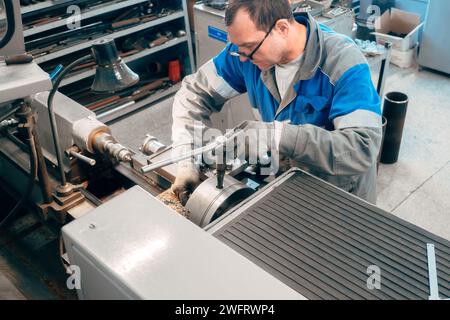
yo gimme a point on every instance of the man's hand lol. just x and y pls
(188, 178)
(188, 174)
(261, 141)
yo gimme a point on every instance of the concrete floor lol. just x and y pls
(417, 187)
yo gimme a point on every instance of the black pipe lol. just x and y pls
(395, 108)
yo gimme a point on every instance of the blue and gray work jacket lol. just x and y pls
(332, 107)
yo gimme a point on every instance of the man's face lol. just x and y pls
(246, 36)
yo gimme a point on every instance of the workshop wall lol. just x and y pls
(415, 6)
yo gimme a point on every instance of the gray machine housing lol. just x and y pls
(134, 247)
(298, 237)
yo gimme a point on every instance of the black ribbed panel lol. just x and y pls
(320, 241)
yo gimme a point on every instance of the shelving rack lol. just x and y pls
(166, 15)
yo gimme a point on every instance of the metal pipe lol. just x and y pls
(185, 156)
(209, 147)
(395, 108)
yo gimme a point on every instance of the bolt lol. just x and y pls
(92, 226)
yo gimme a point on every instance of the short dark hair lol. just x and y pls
(264, 13)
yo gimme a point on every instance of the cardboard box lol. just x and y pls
(399, 22)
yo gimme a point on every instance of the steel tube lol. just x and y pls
(395, 108)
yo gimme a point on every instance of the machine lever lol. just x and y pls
(74, 153)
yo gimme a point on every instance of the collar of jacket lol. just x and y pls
(310, 62)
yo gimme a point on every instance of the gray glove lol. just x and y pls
(186, 181)
(261, 138)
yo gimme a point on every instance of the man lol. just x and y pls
(310, 84)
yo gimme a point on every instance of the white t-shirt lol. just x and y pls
(285, 73)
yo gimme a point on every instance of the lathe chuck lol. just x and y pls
(208, 203)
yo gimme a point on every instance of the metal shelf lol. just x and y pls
(101, 9)
(41, 6)
(110, 115)
(134, 57)
(118, 112)
(114, 35)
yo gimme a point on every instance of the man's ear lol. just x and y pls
(282, 27)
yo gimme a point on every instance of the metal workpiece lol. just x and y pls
(208, 202)
(106, 144)
(151, 145)
(119, 152)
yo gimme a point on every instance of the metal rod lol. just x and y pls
(193, 153)
(51, 115)
(83, 158)
(44, 180)
(185, 156)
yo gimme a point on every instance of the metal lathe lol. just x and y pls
(241, 235)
